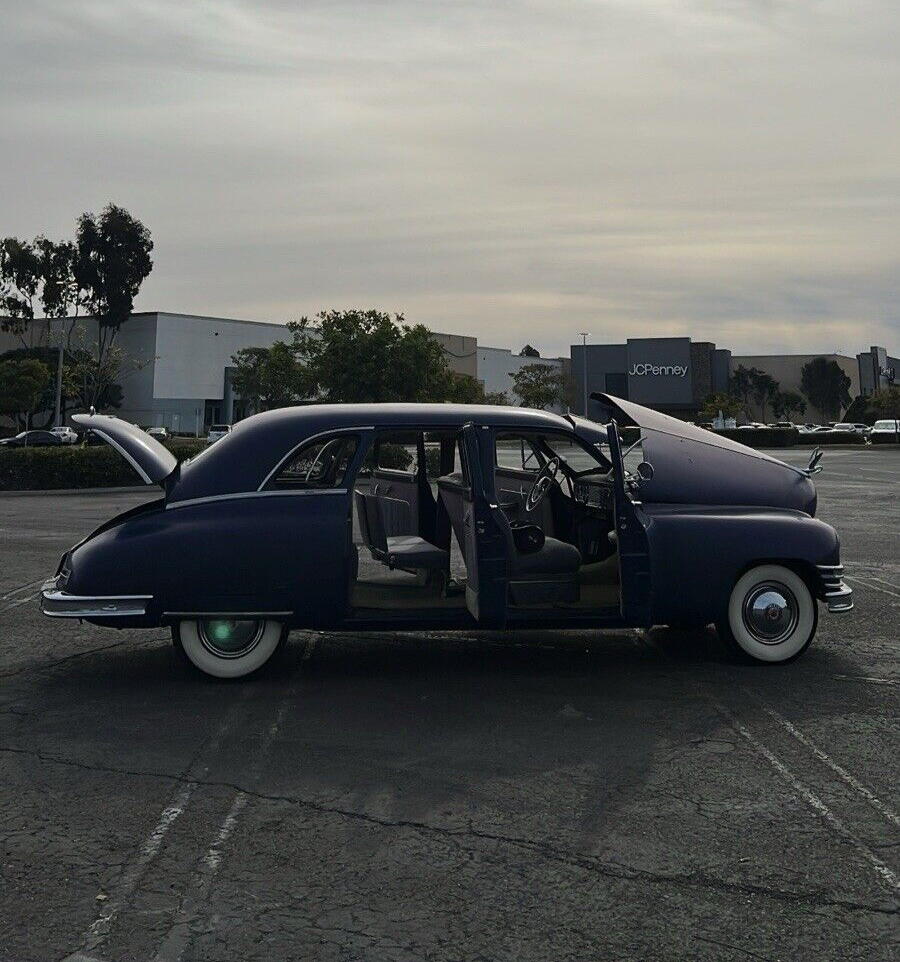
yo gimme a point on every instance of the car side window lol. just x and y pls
(323, 463)
(516, 452)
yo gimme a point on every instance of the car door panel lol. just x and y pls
(486, 578)
(632, 542)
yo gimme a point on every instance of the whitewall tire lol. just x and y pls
(228, 647)
(772, 615)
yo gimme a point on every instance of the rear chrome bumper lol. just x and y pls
(56, 603)
(832, 590)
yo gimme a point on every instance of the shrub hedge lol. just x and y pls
(74, 466)
(788, 437)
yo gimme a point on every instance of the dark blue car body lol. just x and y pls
(223, 541)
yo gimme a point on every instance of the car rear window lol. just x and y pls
(322, 463)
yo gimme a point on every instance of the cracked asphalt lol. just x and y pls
(543, 796)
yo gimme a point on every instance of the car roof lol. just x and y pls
(243, 458)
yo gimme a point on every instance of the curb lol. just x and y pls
(30, 493)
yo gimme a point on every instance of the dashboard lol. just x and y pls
(594, 494)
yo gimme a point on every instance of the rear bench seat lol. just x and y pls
(402, 551)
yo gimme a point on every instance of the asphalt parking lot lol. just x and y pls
(556, 796)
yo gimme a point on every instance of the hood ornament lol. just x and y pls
(813, 467)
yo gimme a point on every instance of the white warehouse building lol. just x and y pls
(183, 382)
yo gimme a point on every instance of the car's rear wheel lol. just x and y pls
(772, 615)
(229, 647)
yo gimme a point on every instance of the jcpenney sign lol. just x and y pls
(658, 370)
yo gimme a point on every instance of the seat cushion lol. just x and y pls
(556, 557)
(410, 551)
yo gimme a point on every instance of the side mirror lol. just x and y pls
(645, 471)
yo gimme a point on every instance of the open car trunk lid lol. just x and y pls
(145, 454)
(694, 466)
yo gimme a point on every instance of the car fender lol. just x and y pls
(697, 553)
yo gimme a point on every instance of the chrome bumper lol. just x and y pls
(832, 590)
(56, 603)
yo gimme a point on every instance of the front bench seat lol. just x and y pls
(539, 578)
(555, 557)
(408, 551)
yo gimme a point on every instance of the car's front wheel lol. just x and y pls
(772, 615)
(228, 647)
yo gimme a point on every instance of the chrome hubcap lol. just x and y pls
(227, 638)
(770, 613)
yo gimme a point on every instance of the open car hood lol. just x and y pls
(694, 466)
(145, 454)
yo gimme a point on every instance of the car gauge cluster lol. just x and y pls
(592, 494)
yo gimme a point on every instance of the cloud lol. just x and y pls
(516, 170)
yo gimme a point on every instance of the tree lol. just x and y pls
(826, 386)
(883, 404)
(91, 378)
(529, 351)
(741, 385)
(20, 280)
(729, 406)
(539, 386)
(21, 384)
(270, 377)
(370, 356)
(755, 389)
(765, 390)
(112, 260)
(787, 405)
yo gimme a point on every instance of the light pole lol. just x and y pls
(584, 337)
(59, 378)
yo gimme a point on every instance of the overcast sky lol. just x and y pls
(521, 171)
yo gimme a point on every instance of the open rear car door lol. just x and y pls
(144, 453)
(486, 578)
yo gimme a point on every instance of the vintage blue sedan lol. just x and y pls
(421, 516)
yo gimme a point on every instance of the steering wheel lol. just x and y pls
(542, 484)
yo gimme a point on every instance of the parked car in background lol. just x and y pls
(751, 425)
(92, 438)
(847, 426)
(885, 431)
(33, 439)
(863, 428)
(217, 431)
(160, 433)
(65, 434)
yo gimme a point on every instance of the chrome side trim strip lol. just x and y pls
(143, 474)
(312, 437)
(236, 496)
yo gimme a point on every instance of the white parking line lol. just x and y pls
(21, 588)
(179, 935)
(865, 582)
(885, 874)
(869, 679)
(825, 759)
(20, 601)
(124, 888)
